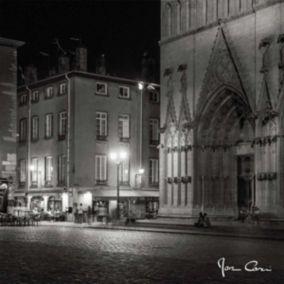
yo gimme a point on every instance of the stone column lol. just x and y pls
(45, 203)
(189, 173)
(169, 175)
(280, 174)
(183, 174)
(29, 197)
(162, 176)
(175, 174)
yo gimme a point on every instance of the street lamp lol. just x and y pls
(118, 158)
(31, 168)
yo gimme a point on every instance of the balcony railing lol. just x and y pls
(101, 182)
(101, 137)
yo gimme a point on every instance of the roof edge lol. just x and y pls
(74, 73)
(11, 42)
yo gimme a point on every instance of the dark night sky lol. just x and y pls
(122, 30)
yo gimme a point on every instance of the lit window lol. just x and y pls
(23, 130)
(48, 171)
(22, 172)
(49, 93)
(34, 172)
(154, 131)
(62, 170)
(101, 125)
(48, 125)
(35, 97)
(62, 125)
(124, 92)
(154, 171)
(123, 127)
(101, 89)
(62, 89)
(35, 128)
(124, 173)
(101, 169)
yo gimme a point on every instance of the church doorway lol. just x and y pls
(225, 158)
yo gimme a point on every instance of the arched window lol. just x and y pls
(179, 27)
(169, 19)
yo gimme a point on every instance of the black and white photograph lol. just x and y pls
(141, 141)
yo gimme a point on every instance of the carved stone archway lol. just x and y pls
(226, 121)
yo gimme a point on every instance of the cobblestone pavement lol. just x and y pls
(76, 255)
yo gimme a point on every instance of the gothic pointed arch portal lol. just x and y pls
(225, 159)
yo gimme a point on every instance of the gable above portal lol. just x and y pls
(224, 69)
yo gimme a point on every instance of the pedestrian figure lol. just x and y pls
(80, 213)
(200, 222)
(207, 222)
(255, 214)
(89, 215)
(243, 214)
(75, 212)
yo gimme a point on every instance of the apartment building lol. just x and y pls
(222, 107)
(8, 107)
(68, 125)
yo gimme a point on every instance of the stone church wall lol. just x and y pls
(251, 36)
(8, 112)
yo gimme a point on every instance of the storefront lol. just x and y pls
(54, 203)
(37, 202)
(140, 204)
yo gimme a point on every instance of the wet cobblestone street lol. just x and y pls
(72, 255)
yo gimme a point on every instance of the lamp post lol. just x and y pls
(118, 158)
(68, 138)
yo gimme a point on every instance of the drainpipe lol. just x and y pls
(255, 126)
(68, 133)
(28, 143)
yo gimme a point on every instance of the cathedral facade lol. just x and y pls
(222, 95)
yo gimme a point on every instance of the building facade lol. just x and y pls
(222, 107)
(8, 106)
(67, 130)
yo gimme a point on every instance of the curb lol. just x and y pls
(258, 236)
(188, 232)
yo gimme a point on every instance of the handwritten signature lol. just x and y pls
(251, 266)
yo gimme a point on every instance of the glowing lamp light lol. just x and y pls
(141, 171)
(140, 86)
(123, 155)
(113, 156)
(118, 157)
(31, 168)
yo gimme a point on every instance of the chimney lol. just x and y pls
(63, 64)
(52, 71)
(101, 65)
(81, 57)
(30, 74)
(147, 68)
